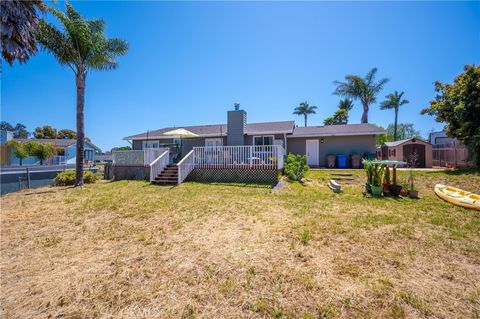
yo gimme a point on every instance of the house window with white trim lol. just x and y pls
(263, 140)
(150, 144)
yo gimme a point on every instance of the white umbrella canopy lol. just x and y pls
(180, 132)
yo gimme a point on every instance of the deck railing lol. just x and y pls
(159, 164)
(265, 156)
(151, 154)
(137, 157)
(131, 157)
(185, 166)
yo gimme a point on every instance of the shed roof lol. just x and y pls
(400, 142)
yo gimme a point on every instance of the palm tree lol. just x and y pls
(305, 109)
(19, 25)
(345, 104)
(82, 46)
(394, 101)
(365, 89)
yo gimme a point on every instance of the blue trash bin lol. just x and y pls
(341, 161)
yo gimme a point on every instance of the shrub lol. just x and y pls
(68, 178)
(296, 166)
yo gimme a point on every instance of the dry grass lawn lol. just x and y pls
(134, 250)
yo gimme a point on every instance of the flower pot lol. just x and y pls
(376, 190)
(395, 190)
(413, 194)
(368, 188)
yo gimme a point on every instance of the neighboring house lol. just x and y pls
(315, 141)
(103, 158)
(5, 152)
(441, 138)
(404, 149)
(448, 151)
(66, 155)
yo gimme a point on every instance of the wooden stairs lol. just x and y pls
(168, 176)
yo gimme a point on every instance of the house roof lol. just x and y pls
(56, 142)
(220, 130)
(338, 130)
(400, 142)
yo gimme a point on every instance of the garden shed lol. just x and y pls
(404, 149)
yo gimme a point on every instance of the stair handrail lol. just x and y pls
(157, 166)
(185, 166)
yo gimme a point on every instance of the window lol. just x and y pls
(263, 140)
(213, 142)
(150, 144)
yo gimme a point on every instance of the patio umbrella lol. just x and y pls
(182, 133)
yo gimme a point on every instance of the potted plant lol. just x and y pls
(386, 182)
(395, 189)
(377, 178)
(412, 190)
(367, 165)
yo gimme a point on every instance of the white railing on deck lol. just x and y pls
(185, 166)
(151, 154)
(265, 156)
(131, 157)
(137, 157)
(159, 164)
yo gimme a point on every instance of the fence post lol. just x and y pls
(28, 177)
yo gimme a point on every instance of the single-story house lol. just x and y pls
(67, 152)
(403, 150)
(314, 141)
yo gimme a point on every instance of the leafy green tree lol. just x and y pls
(364, 89)
(121, 148)
(339, 117)
(5, 126)
(404, 131)
(19, 24)
(19, 150)
(45, 132)
(305, 109)
(42, 151)
(345, 104)
(394, 101)
(458, 105)
(67, 134)
(20, 131)
(81, 45)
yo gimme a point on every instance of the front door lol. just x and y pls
(312, 152)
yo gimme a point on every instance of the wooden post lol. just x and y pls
(394, 174)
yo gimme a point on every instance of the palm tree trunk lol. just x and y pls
(365, 113)
(395, 125)
(305, 116)
(80, 82)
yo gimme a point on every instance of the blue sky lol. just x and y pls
(190, 61)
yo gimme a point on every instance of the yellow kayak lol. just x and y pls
(458, 196)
